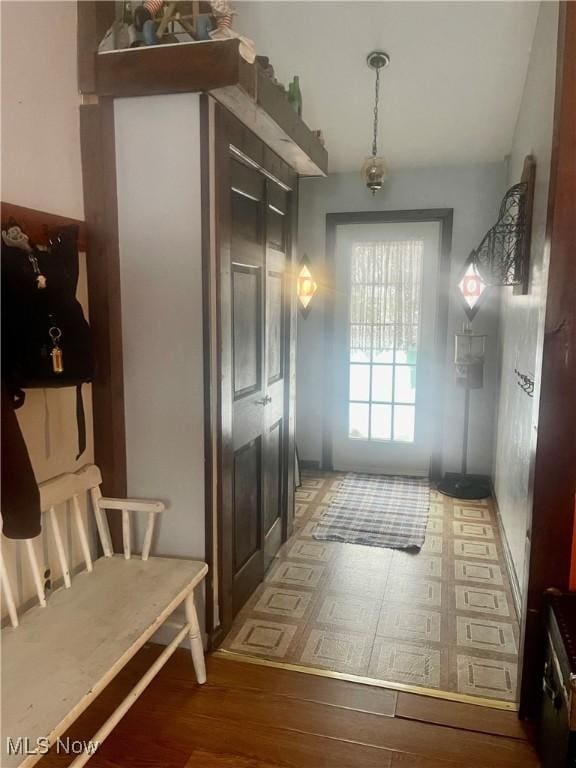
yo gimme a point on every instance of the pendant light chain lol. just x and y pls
(377, 97)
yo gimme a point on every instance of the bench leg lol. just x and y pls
(196, 646)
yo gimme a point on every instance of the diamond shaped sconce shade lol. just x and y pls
(471, 288)
(307, 287)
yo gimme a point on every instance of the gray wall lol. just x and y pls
(474, 192)
(158, 169)
(522, 317)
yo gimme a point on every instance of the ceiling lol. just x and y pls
(450, 95)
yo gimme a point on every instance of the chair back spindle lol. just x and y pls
(70, 489)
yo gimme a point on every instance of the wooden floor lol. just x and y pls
(250, 716)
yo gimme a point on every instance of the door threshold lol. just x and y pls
(461, 698)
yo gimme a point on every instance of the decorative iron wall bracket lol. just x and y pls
(503, 256)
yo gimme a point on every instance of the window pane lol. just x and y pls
(383, 344)
(360, 343)
(381, 422)
(361, 304)
(379, 311)
(362, 261)
(404, 423)
(382, 383)
(406, 343)
(358, 425)
(391, 310)
(360, 382)
(405, 384)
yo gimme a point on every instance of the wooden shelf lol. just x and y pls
(216, 67)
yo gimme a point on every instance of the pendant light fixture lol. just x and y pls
(375, 169)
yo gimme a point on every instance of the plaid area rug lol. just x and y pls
(378, 511)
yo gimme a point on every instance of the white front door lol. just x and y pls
(384, 382)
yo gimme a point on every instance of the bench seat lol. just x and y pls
(62, 656)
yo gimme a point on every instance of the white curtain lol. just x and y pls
(386, 282)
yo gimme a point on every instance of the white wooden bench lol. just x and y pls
(60, 654)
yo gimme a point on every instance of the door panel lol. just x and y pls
(247, 330)
(247, 483)
(275, 329)
(253, 242)
(273, 492)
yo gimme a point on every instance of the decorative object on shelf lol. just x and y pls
(306, 287)
(503, 256)
(295, 95)
(469, 353)
(149, 22)
(264, 64)
(375, 169)
(525, 381)
(223, 13)
(320, 137)
(471, 288)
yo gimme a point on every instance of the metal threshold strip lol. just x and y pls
(435, 693)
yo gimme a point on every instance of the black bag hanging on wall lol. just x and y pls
(45, 337)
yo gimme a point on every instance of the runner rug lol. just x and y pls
(378, 511)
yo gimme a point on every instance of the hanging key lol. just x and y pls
(56, 354)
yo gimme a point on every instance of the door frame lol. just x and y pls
(552, 492)
(444, 216)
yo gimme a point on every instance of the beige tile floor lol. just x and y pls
(441, 619)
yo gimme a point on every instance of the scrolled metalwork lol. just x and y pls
(500, 259)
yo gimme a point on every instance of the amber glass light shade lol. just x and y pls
(306, 287)
(374, 171)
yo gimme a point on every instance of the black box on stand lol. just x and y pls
(556, 727)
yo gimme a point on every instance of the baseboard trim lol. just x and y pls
(308, 464)
(514, 582)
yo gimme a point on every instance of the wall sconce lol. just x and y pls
(306, 287)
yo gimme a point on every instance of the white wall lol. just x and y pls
(158, 173)
(41, 169)
(522, 317)
(474, 192)
(40, 119)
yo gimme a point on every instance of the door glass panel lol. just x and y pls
(383, 344)
(359, 415)
(360, 343)
(405, 384)
(385, 300)
(382, 383)
(360, 382)
(381, 422)
(404, 423)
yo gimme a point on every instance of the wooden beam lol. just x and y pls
(100, 205)
(172, 68)
(94, 18)
(216, 67)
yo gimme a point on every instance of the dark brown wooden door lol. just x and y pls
(255, 321)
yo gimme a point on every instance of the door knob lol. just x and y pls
(264, 401)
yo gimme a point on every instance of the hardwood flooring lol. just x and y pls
(250, 716)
